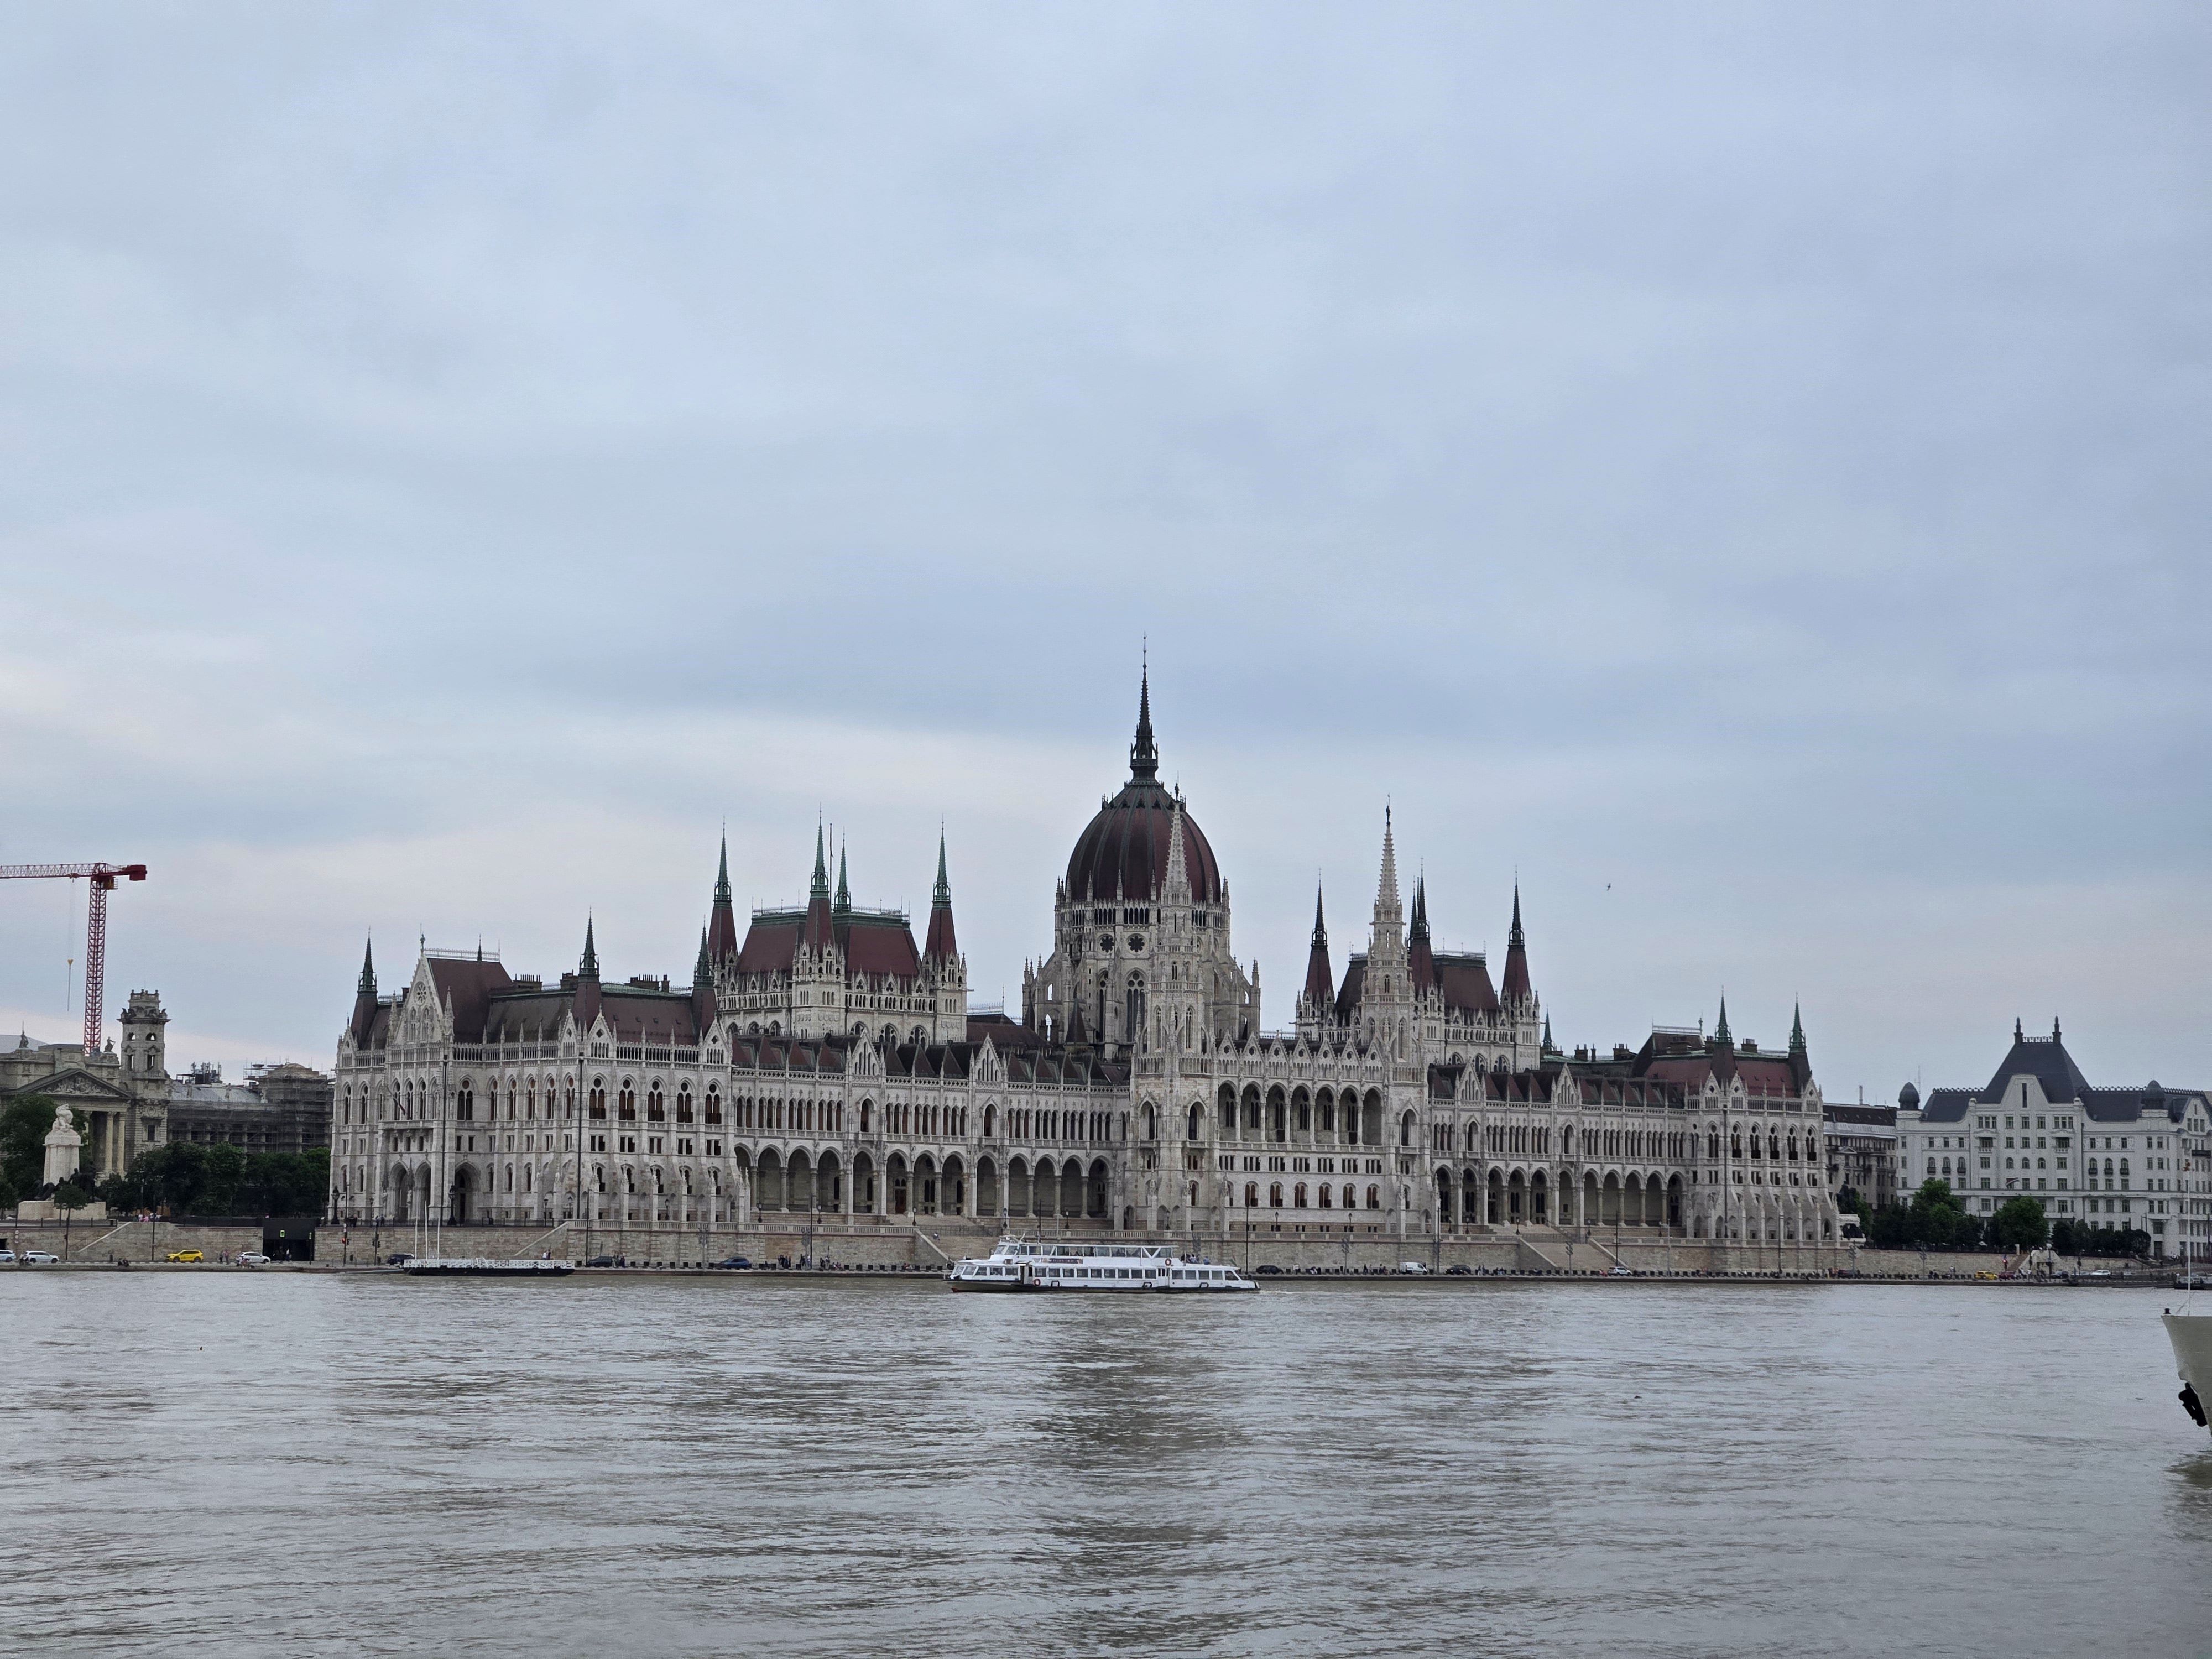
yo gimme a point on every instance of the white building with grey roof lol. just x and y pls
(2130, 1157)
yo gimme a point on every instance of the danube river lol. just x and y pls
(284, 1464)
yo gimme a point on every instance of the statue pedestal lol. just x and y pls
(45, 1209)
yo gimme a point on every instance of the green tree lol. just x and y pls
(2019, 1224)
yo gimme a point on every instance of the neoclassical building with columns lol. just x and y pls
(823, 1064)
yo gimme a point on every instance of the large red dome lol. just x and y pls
(1123, 854)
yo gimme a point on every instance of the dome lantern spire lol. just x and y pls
(1144, 755)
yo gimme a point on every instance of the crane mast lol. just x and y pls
(102, 877)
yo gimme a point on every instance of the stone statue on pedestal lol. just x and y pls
(64, 1148)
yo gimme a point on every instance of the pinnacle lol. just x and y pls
(1144, 754)
(722, 874)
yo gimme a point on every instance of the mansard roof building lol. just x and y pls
(824, 1063)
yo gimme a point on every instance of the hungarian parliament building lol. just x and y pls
(824, 1065)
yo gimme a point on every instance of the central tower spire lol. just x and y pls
(1143, 757)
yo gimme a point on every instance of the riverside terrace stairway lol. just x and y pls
(1547, 1250)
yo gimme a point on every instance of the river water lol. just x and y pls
(281, 1464)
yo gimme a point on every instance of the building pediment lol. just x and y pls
(75, 1083)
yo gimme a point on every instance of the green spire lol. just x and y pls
(1721, 1031)
(844, 904)
(1796, 1030)
(368, 969)
(821, 886)
(701, 971)
(940, 897)
(1548, 1048)
(590, 970)
(722, 875)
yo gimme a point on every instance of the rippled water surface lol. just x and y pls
(276, 1463)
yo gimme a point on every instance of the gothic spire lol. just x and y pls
(368, 985)
(1386, 891)
(940, 946)
(1176, 886)
(1721, 1031)
(703, 970)
(1321, 980)
(721, 918)
(1420, 960)
(844, 904)
(1144, 755)
(1514, 985)
(590, 966)
(816, 934)
(1797, 1029)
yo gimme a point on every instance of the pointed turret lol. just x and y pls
(722, 918)
(587, 980)
(1722, 1046)
(1515, 989)
(1549, 1046)
(941, 946)
(1420, 959)
(1144, 755)
(364, 999)
(1321, 983)
(703, 970)
(1176, 888)
(1801, 1066)
(816, 934)
(841, 906)
(1386, 890)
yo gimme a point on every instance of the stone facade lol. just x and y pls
(279, 1109)
(2134, 1158)
(124, 1096)
(826, 1065)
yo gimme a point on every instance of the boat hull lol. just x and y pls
(2191, 1336)
(448, 1268)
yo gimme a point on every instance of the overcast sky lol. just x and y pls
(1744, 468)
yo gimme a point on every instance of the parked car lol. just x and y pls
(1267, 1268)
(1456, 1267)
(251, 1259)
(600, 1262)
(186, 1256)
(398, 1257)
(1412, 1267)
(735, 1261)
(41, 1258)
(6, 1258)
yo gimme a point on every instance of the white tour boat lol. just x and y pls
(2191, 1336)
(1020, 1264)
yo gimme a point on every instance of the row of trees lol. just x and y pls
(180, 1178)
(185, 1179)
(1936, 1218)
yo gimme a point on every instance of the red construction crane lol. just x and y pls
(102, 877)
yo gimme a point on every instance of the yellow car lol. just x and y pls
(1990, 1277)
(186, 1256)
